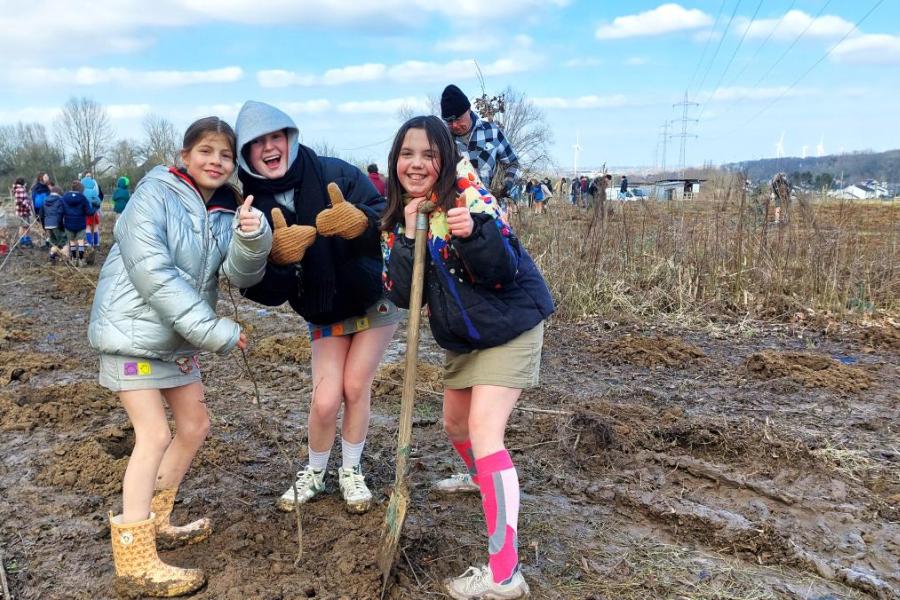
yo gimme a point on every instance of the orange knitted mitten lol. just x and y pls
(289, 243)
(342, 219)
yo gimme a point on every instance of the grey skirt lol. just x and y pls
(127, 373)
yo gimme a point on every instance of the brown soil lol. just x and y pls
(95, 466)
(21, 366)
(657, 351)
(277, 348)
(683, 482)
(811, 370)
(54, 405)
(13, 328)
(886, 336)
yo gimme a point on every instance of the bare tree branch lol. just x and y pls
(85, 129)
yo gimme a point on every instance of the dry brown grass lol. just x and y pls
(718, 254)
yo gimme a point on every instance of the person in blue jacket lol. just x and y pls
(51, 213)
(487, 303)
(326, 263)
(76, 210)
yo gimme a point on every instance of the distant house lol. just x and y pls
(676, 189)
(868, 190)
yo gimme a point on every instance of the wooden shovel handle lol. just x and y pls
(407, 400)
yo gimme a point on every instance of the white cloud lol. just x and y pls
(759, 93)
(869, 49)
(90, 76)
(30, 114)
(666, 18)
(792, 24)
(121, 26)
(417, 71)
(636, 61)
(384, 107)
(354, 73)
(582, 102)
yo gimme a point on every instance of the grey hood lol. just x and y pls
(259, 118)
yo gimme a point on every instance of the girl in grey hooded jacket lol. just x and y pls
(154, 310)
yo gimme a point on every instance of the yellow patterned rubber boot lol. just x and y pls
(139, 571)
(169, 536)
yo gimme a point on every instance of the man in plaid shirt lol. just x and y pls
(481, 141)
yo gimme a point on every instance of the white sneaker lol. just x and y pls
(353, 487)
(310, 483)
(478, 584)
(458, 483)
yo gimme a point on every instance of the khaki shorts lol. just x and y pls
(75, 236)
(127, 373)
(515, 364)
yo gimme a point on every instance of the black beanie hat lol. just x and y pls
(454, 103)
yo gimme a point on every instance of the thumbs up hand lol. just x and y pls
(342, 219)
(250, 220)
(289, 244)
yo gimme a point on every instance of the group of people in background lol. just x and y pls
(336, 245)
(65, 222)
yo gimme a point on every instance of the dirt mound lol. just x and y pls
(75, 283)
(25, 408)
(95, 466)
(882, 337)
(20, 366)
(659, 351)
(290, 348)
(389, 380)
(811, 370)
(13, 328)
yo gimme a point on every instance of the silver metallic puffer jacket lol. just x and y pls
(157, 291)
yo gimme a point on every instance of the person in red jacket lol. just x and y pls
(376, 178)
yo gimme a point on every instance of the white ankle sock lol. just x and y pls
(351, 453)
(319, 460)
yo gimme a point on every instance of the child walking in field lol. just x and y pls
(487, 303)
(76, 210)
(51, 213)
(153, 312)
(24, 212)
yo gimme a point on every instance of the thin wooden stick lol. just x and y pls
(3, 581)
(544, 411)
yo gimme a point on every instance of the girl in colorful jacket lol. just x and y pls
(486, 303)
(153, 312)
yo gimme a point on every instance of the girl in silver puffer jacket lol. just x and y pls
(154, 310)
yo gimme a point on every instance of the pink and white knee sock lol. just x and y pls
(464, 449)
(499, 485)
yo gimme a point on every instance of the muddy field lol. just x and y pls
(736, 460)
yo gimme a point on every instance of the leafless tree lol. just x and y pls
(126, 157)
(162, 145)
(26, 149)
(84, 128)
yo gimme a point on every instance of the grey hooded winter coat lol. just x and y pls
(157, 291)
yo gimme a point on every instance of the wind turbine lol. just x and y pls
(820, 149)
(576, 148)
(779, 147)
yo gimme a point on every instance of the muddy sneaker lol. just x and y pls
(310, 483)
(353, 487)
(458, 483)
(478, 584)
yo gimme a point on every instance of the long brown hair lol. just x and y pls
(444, 150)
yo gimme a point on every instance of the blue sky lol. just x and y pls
(604, 73)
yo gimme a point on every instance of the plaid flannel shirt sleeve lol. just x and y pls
(507, 156)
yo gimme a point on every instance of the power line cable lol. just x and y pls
(794, 43)
(764, 43)
(719, 46)
(730, 61)
(706, 45)
(817, 63)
